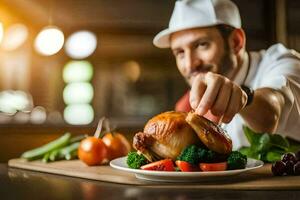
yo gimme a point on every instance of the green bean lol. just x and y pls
(77, 138)
(68, 150)
(40, 151)
(71, 155)
(46, 157)
(54, 155)
(64, 152)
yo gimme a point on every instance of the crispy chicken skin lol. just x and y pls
(211, 135)
(165, 136)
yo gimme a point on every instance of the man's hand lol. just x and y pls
(216, 97)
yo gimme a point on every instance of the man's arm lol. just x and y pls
(263, 114)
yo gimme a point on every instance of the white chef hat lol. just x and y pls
(189, 14)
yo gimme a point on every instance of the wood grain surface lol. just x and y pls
(259, 179)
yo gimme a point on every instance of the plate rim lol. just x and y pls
(183, 174)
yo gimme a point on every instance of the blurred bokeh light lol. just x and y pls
(81, 44)
(75, 93)
(132, 70)
(38, 115)
(78, 71)
(49, 41)
(14, 37)
(13, 101)
(79, 114)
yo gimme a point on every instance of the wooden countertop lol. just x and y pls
(24, 184)
(257, 179)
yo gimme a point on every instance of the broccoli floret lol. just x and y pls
(135, 160)
(236, 160)
(207, 156)
(190, 155)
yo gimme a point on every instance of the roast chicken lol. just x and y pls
(167, 134)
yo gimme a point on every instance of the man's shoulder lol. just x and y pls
(279, 51)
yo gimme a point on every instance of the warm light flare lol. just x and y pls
(81, 44)
(1, 32)
(49, 41)
(14, 37)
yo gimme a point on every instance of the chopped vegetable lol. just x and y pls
(186, 166)
(135, 160)
(222, 166)
(161, 165)
(41, 151)
(207, 156)
(236, 160)
(190, 155)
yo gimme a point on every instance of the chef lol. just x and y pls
(229, 84)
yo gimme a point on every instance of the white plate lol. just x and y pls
(162, 176)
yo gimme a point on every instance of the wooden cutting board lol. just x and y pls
(258, 179)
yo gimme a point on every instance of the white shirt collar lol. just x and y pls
(242, 73)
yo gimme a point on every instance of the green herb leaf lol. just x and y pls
(294, 145)
(273, 156)
(280, 142)
(250, 152)
(264, 143)
(252, 137)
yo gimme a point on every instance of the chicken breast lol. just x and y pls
(165, 136)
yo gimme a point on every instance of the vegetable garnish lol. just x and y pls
(190, 154)
(161, 165)
(267, 147)
(135, 160)
(191, 159)
(236, 160)
(206, 167)
(186, 166)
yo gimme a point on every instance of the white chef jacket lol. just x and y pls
(278, 68)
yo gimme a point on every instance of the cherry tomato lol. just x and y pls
(186, 167)
(117, 145)
(222, 166)
(92, 151)
(161, 165)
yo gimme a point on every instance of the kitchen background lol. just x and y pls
(65, 64)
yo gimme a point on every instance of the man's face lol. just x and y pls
(202, 50)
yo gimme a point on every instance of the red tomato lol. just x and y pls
(222, 166)
(186, 167)
(161, 165)
(117, 145)
(92, 151)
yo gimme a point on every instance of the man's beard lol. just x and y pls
(224, 67)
